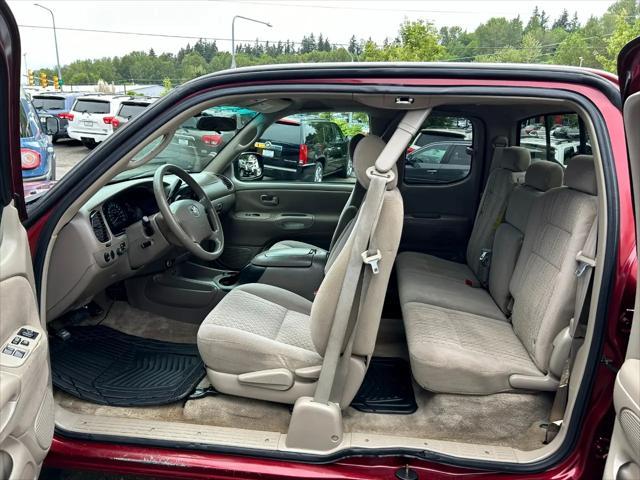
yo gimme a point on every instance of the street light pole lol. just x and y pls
(233, 35)
(55, 37)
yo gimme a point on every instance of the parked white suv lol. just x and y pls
(91, 118)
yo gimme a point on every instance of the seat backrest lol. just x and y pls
(539, 177)
(544, 282)
(350, 209)
(505, 175)
(364, 156)
(386, 237)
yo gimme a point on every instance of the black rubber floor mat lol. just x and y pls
(387, 388)
(105, 366)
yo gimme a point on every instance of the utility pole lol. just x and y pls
(233, 35)
(26, 68)
(55, 37)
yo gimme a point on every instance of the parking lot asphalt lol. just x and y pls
(71, 152)
(68, 154)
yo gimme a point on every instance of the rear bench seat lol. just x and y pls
(422, 285)
(456, 351)
(510, 164)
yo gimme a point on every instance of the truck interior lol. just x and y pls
(216, 333)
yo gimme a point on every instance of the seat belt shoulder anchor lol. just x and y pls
(372, 260)
(584, 262)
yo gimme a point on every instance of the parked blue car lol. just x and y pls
(36, 150)
(57, 104)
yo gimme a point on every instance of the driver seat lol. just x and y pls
(267, 343)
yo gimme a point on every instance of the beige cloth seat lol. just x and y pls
(509, 166)
(264, 342)
(348, 213)
(446, 284)
(460, 352)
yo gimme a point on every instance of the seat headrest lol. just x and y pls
(516, 159)
(544, 175)
(367, 152)
(581, 174)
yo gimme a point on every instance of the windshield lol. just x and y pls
(92, 106)
(48, 103)
(189, 147)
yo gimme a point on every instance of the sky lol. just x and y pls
(337, 20)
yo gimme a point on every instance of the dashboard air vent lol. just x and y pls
(99, 227)
(226, 181)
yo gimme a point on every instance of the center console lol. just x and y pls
(299, 270)
(189, 290)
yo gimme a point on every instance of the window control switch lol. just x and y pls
(19, 353)
(16, 340)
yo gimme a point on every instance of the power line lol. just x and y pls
(339, 7)
(164, 35)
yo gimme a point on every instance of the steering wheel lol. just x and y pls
(190, 221)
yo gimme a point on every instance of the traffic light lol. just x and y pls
(43, 80)
(30, 80)
(56, 84)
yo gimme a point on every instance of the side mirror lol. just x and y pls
(249, 167)
(52, 125)
(217, 124)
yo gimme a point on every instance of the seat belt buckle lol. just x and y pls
(485, 257)
(584, 262)
(372, 260)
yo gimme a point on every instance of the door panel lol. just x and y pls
(623, 461)
(438, 218)
(267, 212)
(26, 400)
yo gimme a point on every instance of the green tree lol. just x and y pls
(624, 32)
(571, 50)
(193, 65)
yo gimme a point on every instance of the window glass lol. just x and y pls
(92, 106)
(130, 110)
(48, 103)
(310, 147)
(441, 152)
(191, 148)
(567, 137)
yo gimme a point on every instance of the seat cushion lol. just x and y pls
(421, 263)
(434, 281)
(258, 327)
(458, 352)
(294, 244)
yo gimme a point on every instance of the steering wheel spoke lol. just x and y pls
(190, 221)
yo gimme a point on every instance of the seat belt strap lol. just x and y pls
(354, 319)
(379, 176)
(577, 327)
(363, 230)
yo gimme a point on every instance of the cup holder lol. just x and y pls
(228, 279)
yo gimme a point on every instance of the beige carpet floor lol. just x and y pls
(506, 419)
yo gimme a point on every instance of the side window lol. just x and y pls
(555, 138)
(310, 147)
(441, 152)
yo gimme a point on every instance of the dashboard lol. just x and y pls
(128, 207)
(114, 236)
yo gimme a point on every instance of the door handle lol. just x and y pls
(269, 199)
(432, 171)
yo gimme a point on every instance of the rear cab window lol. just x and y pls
(441, 152)
(92, 106)
(130, 109)
(46, 102)
(554, 137)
